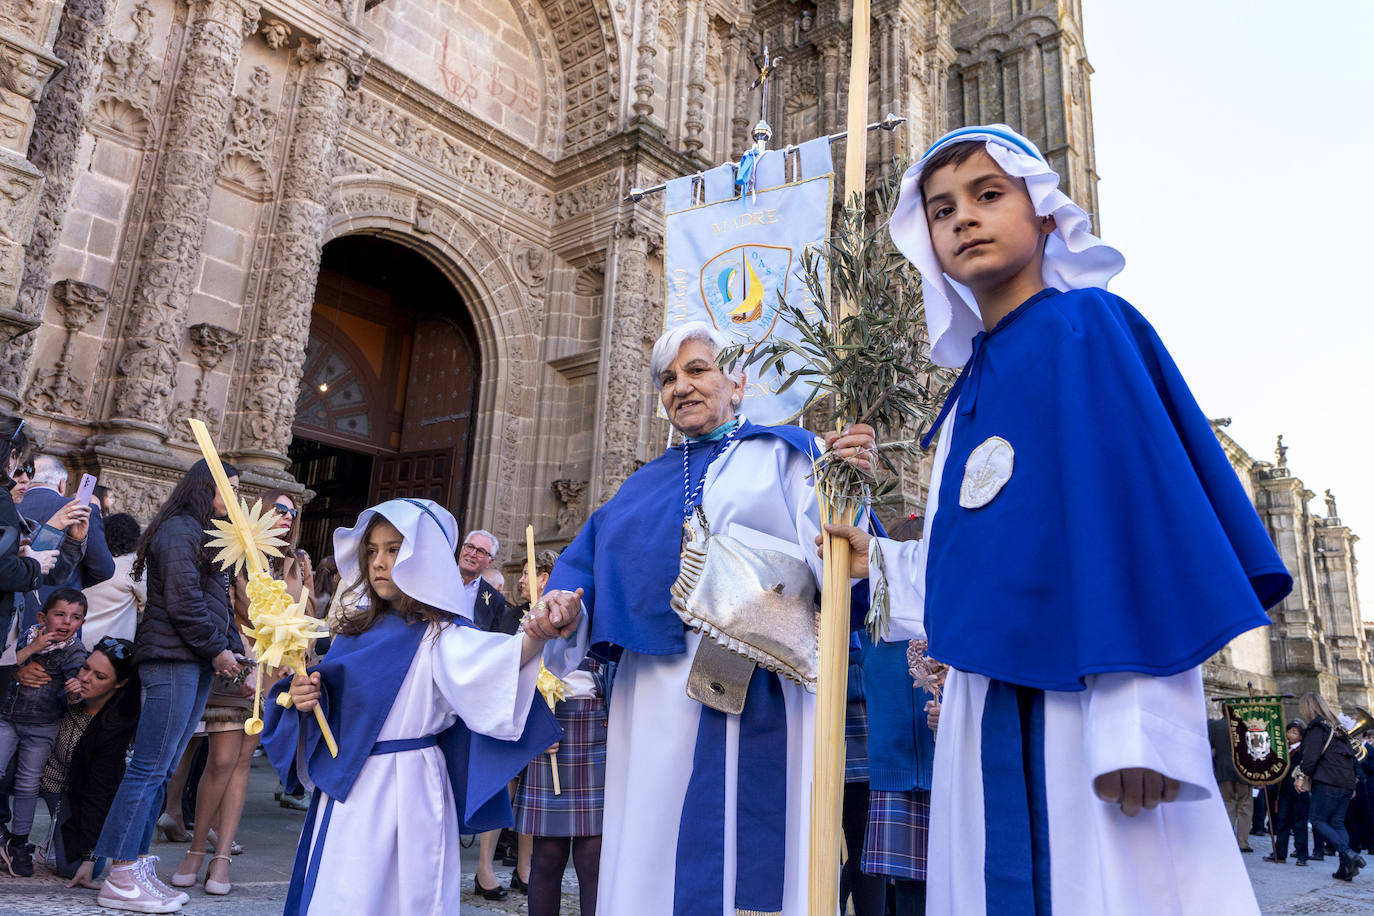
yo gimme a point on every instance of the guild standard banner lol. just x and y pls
(1259, 745)
(728, 258)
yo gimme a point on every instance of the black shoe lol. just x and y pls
(1301, 863)
(517, 885)
(1273, 858)
(19, 859)
(496, 893)
(1316, 858)
(1353, 864)
(1342, 872)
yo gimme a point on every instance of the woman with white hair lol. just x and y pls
(706, 811)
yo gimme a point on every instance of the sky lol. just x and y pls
(1234, 146)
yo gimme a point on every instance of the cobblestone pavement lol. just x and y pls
(269, 835)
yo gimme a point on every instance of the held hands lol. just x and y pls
(1135, 788)
(305, 691)
(555, 616)
(858, 547)
(226, 664)
(855, 445)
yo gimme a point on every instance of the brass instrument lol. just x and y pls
(1363, 723)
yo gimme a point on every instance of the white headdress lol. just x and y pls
(425, 568)
(1074, 257)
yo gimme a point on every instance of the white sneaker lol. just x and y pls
(125, 889)
(149, 866)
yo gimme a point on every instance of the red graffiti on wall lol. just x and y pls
(467, 81)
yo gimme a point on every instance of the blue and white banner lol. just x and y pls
(728, 258)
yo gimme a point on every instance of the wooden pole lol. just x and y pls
(827, 788)
(532, 577)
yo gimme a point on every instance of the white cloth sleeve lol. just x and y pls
(1160, 723)
(480, 676)
(900, 567)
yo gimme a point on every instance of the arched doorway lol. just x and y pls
(388, 390)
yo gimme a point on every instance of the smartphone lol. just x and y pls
(86, 489)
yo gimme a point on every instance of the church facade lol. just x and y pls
(385, 247)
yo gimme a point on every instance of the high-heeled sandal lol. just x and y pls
(183, 879)
(213, 842)
(171, 831)
(217, 888)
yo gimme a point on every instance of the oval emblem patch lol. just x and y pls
(985, 473)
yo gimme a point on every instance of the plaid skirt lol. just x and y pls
(581, 776)
(856, 741)
(898, 834)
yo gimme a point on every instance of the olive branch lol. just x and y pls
(870, 363)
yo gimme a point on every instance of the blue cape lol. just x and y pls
(361, 676)
(1123, 540)
(626, 558)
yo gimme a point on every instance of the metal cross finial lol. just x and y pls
(762, 132)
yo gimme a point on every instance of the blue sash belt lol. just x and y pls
(299, 894)
(1016, 867)
(760, 809)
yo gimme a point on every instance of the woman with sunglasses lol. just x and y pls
(87, 762)
(224, 784)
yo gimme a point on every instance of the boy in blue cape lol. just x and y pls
(1087, 547)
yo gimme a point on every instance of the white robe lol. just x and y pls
(393, 847)
(761, 484)
(1180, 858)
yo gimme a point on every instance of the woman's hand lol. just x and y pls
(855, 445)
(933, 714)
(305, 691)
(858, 547)
(553, 748)
(32, 675)
(47, 559)
(226, 664)
(555, 616)
(73, 689)
(83, 876)
(75, 517)
(1135, 788)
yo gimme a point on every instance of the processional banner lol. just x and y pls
(1259, 744)
(732, 256)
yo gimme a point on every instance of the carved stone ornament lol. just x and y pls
(275, 33)
(209, 343)
(63, 389)
(252, 122)
(570, 494)
(22, 73)
(124, 100)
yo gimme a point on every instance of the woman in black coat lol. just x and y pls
(186, 636)
(1329, 773)
(87, 762)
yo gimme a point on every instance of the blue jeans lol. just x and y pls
(1327, 815)
(30, 745)
(174, 695)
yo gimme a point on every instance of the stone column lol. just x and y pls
(283, 329)
(169, 259)
(625, 363)
(58, 125)
(63, 389)
(696, 81)
(646, 51)
(27, 62)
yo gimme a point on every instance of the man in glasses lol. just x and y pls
(478, 554)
